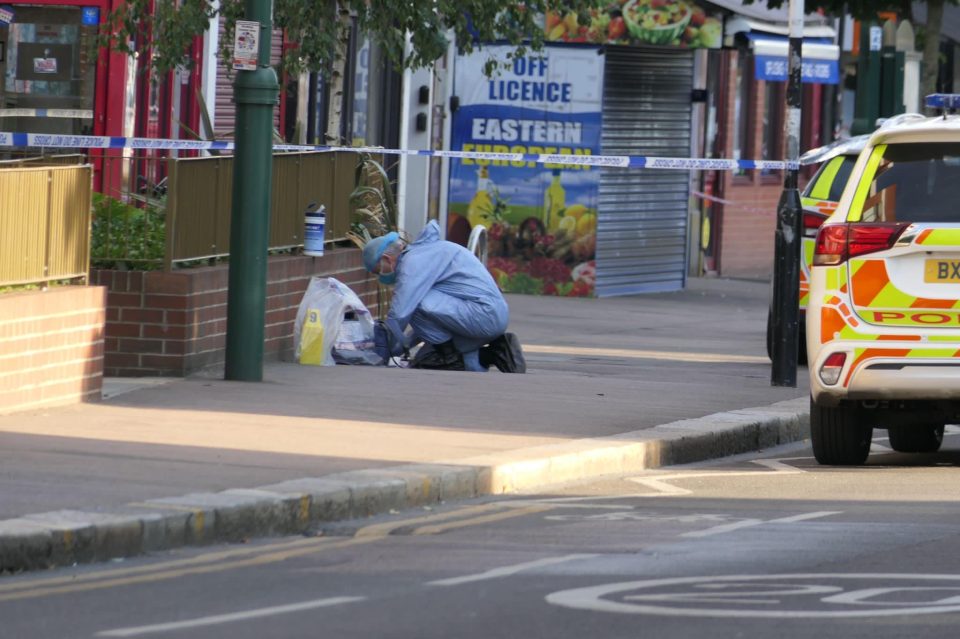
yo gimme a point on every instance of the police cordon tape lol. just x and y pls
(46, 140)
(75, 114)
(742, 207)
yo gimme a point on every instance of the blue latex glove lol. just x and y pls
(381, 341)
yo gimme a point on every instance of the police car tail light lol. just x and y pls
(836, 243)
(812, 222)
(832, 367)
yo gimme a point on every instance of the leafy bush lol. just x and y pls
(125, 236)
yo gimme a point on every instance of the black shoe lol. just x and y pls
(443, 357)
(505, 353)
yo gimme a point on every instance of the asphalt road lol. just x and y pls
(755, 546)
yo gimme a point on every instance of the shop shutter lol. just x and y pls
(643, 213)
(225, 111)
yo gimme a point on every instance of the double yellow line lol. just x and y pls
(249, 556)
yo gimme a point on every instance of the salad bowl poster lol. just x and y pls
(541, 219)
(678, 23)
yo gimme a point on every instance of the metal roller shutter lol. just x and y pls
(642, 224)
(225, 110)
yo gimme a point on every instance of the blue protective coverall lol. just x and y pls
(444, 293)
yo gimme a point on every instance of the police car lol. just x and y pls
(883, 317)
(819, 200)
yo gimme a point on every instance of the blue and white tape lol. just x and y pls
(43, 140)
(74, 114)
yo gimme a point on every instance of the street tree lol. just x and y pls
(868, 9)
(320, 30)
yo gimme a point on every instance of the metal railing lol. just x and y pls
(150, 211)
(199, 200)
(44, 222)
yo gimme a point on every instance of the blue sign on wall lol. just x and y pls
(90, 16)
(812, 70)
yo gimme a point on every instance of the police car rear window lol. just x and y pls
(915, 182)
(829, 180)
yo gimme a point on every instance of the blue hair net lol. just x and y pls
(376, 247)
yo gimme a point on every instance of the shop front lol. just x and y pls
(621, 84)
(48, 60)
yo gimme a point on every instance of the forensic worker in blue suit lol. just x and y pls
(446, 297)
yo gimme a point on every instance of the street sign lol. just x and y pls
(246, 45)
(876, 38)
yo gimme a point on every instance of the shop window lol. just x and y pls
(46, 64)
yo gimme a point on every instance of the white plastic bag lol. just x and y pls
(321, 336)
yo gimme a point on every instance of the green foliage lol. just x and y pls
(373, 202)
(313, 24)
(125, 236)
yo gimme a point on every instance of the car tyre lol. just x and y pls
(838, 434)
(922, 438)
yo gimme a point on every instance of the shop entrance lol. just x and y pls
(48, 66)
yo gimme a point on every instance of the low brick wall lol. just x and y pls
(175, 324)
(51, 347)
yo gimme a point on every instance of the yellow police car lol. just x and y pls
(883, 314)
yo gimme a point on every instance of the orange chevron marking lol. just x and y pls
(875, 352)
(869, 281)
(831, 322)
(923, 302)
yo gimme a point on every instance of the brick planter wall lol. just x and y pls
(174, 324)
(51, 347)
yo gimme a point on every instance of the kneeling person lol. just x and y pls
(443, 293)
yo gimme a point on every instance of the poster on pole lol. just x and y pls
(246, 45)
(541, 219)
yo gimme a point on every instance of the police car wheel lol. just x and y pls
(922, 438)
(839, 435)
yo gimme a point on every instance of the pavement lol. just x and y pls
(614, 385)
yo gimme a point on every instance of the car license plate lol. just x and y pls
(942, 271)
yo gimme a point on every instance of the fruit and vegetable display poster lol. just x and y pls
(678, 23)
(541, 219)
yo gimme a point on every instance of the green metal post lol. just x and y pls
(256, 93)
(868, 83)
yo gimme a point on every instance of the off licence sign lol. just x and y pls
(942, 271)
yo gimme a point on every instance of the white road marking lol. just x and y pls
(668, 490)
(228, 618)
(805, 516)
(747, 523)
(779, 465)
(795, 598)
(506, 571)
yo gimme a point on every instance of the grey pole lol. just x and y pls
(786, 276)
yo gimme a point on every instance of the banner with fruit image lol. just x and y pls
(541, 219)
(678, 23)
